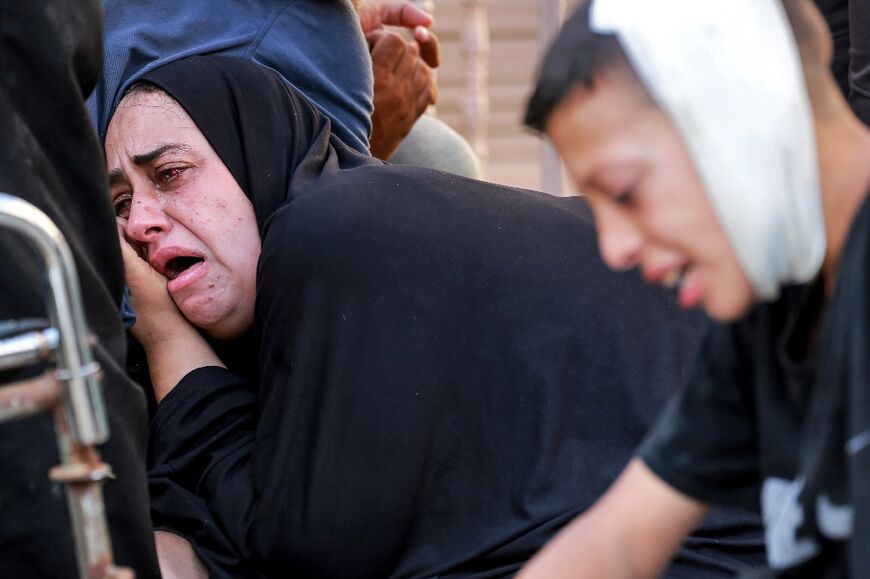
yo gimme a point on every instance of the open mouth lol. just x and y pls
(178, 265)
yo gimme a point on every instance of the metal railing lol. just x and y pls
(70, 388)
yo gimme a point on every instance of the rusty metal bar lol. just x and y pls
(27, 397)
(71, 390)
(87, 416)
(84, 473)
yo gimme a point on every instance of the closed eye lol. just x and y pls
(626, 197)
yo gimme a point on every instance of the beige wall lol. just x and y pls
(514, 153)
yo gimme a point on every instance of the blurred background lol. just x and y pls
(489, 54)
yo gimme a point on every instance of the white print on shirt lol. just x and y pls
(783, 515)
(858, 442)
(835, 521)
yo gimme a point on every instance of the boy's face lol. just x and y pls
(626, 157)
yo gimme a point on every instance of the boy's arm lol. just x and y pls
(632, 532)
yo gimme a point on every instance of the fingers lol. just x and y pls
(409, 16)
(388, 49)
(430, 49)
(408, 62)
(372, 38)
(404, 86)
(426, 90)
(403, 13)
(135, 266)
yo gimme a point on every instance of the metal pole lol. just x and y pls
(475, 52)
(75, 366)
(72, 390)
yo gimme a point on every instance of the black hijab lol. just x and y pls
(447, 373)
(272, 139)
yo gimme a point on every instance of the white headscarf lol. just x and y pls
(728, 74)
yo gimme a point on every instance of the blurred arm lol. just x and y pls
(632, 532)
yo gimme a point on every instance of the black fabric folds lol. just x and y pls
(50, 55)
(446, 372)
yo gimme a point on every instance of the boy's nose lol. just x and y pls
(619, 238)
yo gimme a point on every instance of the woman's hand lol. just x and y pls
(157, 316)
(172, 345)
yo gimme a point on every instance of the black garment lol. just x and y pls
(50, 53)
(766, 422)
(447, 372)
(836, 13)
(849, 23)
(859, 58)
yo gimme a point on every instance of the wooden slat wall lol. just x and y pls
(514, 52)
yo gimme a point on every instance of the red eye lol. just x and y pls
(167, 175)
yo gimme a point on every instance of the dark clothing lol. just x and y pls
(766, 421)
(316, 45)
(849, 23)
(836, 13)
(859, 58)
(447, 373)
(51, 53)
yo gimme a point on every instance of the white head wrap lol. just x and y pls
(728, 74)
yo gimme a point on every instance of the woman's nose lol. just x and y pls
(620, 240)
(146, 219)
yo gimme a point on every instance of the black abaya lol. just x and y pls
(446, 371)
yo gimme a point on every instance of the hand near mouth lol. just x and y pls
(156, 314)
(172, 345)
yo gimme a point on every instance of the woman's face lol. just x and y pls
(650, 207)
(184, 212)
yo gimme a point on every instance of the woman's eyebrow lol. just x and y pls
(145, 158)
(116, 177)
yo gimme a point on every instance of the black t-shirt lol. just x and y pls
(849, 23)
(768, 423)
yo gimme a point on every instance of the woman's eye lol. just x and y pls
(121, 205)
(168, 175)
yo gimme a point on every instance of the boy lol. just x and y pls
(719, 156)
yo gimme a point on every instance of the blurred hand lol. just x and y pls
(375, 14)
(404, 87)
